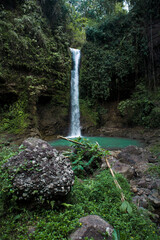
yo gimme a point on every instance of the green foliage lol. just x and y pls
(110, 58)
(76, 28)
(95, 74)
(104, 32)
(154, 169)
(115, 235)
(142, 108)
(55, 11)
(97, 195)
(11, 4)
(95, 10)
(85, 158)
(155, 149)
(145, 10)
(7, 197)
(15, 119)
(126, 207)
(32, 40)
(116, 56)
(30, 56)
(87, 112)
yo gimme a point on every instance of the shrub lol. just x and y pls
(88, 113)
(142, 108)
(86, 157)
(15, 120)
(7, 197)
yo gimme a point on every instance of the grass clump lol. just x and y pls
(154, 169)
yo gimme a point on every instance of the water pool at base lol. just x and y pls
(104, 142)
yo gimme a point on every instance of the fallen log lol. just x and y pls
(70, 140)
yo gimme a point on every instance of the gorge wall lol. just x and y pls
(35, 67)
(120, 63)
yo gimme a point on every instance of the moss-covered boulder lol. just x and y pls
(39, 172)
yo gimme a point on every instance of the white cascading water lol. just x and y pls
(75, 130)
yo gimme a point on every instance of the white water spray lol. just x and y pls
(75, 130)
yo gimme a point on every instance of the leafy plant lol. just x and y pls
(126, 207)
(142, 108)
(154, 169)
(115, 235)
(7, 197)
(86, 157)
(15, 120)
(88, 113)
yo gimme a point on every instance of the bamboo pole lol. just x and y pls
(115, 180)
(70, 140)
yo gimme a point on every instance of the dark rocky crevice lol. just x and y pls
(8, 98)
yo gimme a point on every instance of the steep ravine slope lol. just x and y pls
(34, 70)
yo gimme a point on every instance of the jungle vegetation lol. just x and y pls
(120, 58)
(93, 193)
(120, 62)
(124, 65)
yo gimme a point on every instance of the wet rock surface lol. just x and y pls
(147, 136)
(93, 226)
(40, 171)
(133, 163)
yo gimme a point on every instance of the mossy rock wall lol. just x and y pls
(34, 66)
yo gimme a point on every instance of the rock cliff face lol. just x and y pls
(34, 68)
(52, 120)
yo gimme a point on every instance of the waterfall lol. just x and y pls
(75, 130)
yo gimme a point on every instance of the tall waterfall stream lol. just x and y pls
(75, 130)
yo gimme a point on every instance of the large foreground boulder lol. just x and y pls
(93, 226)
(39, 171)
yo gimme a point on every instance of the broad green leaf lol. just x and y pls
(129, 208)
(123, 207)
